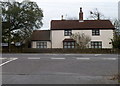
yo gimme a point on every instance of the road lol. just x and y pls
(59, 68)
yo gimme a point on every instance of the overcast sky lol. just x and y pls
(53, 9)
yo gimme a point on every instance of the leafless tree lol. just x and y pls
(116, 24)
(82, 40)
(96, 15)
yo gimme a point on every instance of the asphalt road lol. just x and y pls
(59, 68)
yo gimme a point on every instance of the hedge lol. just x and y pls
(60, 50)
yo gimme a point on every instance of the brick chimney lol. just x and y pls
(81, 15)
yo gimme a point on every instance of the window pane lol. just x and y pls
(45, 46)
(73, 43)
(41, 45)
(96, 44)
(67, 32)
(96, 32)
(69, 47)
(45, 43)
(68, 43)
(65, 46)
(65, 43)
(73, 46)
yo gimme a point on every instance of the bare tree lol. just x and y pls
(82, 40)
(116, 38)
(96, 15)
(116, 24)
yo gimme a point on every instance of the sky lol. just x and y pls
(53, 9)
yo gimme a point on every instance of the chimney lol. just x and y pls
(62, 17)
(81, 15)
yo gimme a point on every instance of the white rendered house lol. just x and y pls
(100, 32)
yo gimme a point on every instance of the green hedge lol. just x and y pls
(59, 50)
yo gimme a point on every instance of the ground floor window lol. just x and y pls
(69, 44)
(41, 44)
(96, 44)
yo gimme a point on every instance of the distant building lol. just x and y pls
(100, 31)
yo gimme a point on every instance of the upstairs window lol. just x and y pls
(96, 32)
(41, 44)
(67, 32)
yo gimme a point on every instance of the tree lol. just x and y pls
(116, 24)
(116, 41)
(82, 40)
(19, 20)
(96, 15)
(116, 38)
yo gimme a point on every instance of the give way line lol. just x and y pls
(12, 59)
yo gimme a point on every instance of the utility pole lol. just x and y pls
(9, 38)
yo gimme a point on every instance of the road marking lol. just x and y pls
(109, 58)
(11, 59)
(2, 58)
(57, 58)
(98, 54)
(33, 58)
(83, 58)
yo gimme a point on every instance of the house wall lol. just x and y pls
(35, 42)
(105, 37)
(57, 38)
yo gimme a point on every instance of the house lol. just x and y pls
(41, 39)
(59, 36)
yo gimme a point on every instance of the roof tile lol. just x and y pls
(41, 35)
(86, 24)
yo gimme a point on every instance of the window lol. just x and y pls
(41, 44)
(69, 44)
(96, 44)
(96, 32)
(67, 32)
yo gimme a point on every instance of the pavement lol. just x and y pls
(59, 68)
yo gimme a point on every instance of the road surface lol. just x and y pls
(59, 68)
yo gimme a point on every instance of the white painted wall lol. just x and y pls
(57, 38)
(35, 42)
(105, 37)
(48, 44)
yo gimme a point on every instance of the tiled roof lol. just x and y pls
(86, 24)
(41, 35)
(68, 40)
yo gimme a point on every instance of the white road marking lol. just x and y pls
(58, 58)
(11, 59)
(33, 58)
(98, 54)
(109, 58)
(83, 58)
(2, 58)
(68, 54)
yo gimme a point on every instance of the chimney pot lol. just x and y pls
(81, 15)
